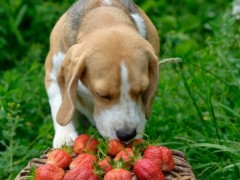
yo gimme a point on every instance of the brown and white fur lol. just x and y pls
(102, 62)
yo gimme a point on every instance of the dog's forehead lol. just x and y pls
(109, 68)
(106, 56)
(111, 76)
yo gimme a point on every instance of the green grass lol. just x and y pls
(197, 108)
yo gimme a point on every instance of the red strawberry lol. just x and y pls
(80, 173)
(92, 145)
(59, 158)
(84, 143)
(80, 143)
(114, 147)
(147, 169)
(105, 165)
(126, 154)
(167, 159)
(49, 172)
(83, 160)
(154, 153)
(135, 142)
(118, 174)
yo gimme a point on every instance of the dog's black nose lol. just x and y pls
(125, 135)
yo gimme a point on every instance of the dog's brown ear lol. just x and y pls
(149, 95)
(68, 76)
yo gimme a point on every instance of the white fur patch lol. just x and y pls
(57, 62)
(63, 134)
(53, 91)
(106, 2)
(125, 115)
(140, 24)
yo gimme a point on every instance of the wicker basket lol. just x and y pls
(182, 169)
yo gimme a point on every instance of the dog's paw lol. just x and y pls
(64, 138)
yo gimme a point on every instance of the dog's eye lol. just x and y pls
(139, 93)
(105, 96)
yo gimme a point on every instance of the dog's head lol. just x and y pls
(120, 69)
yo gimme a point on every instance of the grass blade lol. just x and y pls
(216, 146)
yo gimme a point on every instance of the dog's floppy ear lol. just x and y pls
(153, 71)
(68, 76)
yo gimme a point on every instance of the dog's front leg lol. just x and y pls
(63, 134)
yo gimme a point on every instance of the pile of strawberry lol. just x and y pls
(98, 159)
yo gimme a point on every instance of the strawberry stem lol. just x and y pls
(100, 150)
(143, 134)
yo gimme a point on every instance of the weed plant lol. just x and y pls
(197, 107)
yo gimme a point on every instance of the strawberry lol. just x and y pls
(83, 160)
(59, 158)
(80, 173)
(114, 147)
(126, 154)
(105, 165)
(92, 145)
(80, 143)
(49, 172)
(167, 159)
(154, 153)
(84, 143)
(147, 169)
(118, 174)
(136, 143)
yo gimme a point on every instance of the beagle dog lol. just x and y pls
(103, 64)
